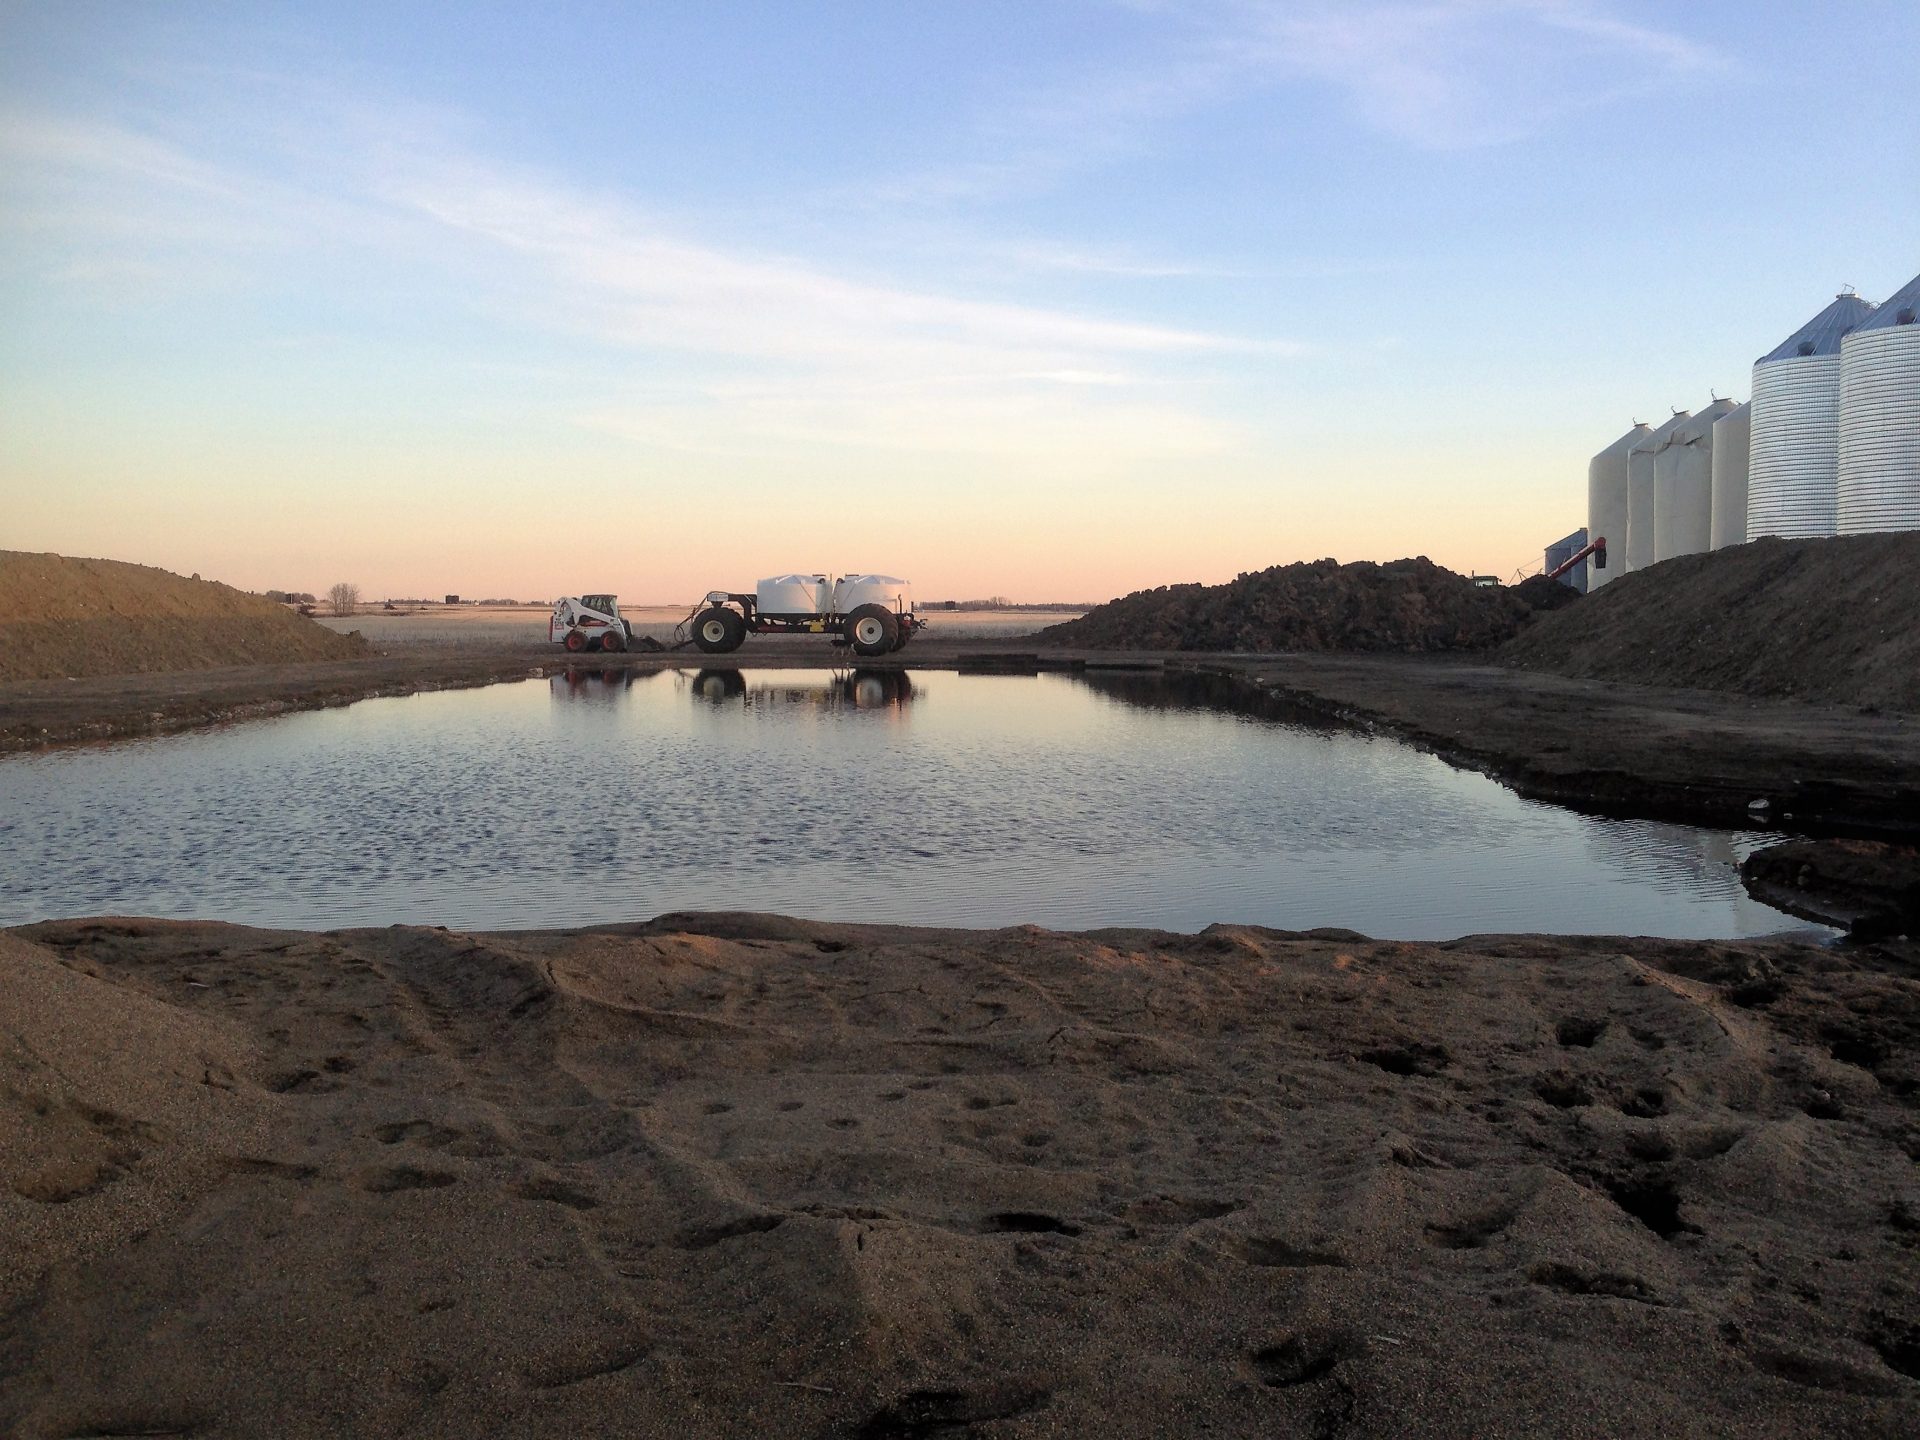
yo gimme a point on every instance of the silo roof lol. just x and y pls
(1699, 425)
(1822, 334)
(1663, 436)
(1906, 299)
(1626, 442)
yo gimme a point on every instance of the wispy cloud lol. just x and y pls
(647, 287)
(837, 356)
(1453, 73)
(1433, 74)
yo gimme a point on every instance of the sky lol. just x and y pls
(1054, 299)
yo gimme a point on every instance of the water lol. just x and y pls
(929, 798)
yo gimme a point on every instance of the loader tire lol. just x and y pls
(718, 630)
(575, 641)
(613, 642)
(873, 630)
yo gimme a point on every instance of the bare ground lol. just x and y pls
(732, 1175)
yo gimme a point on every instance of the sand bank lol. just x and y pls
(736, 1175)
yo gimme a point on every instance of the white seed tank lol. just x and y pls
(1683, 485)
(1878, 487)
(853, 591)
(1607, 503)
(1732, 439)
(1637, 553)
(793, 595)
(1793, 472)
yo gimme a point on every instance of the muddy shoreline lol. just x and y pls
(1696, 756)
(724, 1174)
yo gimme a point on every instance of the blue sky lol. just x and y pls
(1050, 299)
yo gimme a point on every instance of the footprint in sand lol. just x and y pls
(416, 1132)
(1299, 1359)
(59, 1183)
(558, 1192)
(386, 1179)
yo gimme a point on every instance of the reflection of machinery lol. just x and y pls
(871, 613)
(716, 687)
(579, 683)
(844, 690)
(589, 622)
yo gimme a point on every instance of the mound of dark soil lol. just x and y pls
(66, 617)
(1834, 620)
(1404, 605)
(1540, 593)
(1868, 886)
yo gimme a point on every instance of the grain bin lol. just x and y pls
(1793, 470)
(1563, 550)
(1637, 553)
(1878, 487)
(1683, 485)
(1732, 439)
(1607, 503)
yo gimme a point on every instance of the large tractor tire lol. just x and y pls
(873, 630)
(718, 630)
(906, 634)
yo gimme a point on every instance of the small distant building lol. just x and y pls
(453, 599)
(1561, 551)
(1485, 582)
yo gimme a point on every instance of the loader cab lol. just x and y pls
(605, 604)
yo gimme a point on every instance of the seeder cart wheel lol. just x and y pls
(873, 630)
(719, 630)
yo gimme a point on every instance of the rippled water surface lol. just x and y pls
(931, 798)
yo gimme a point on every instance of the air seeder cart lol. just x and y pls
(872, 614)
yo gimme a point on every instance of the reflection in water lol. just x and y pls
(841, 689)
(1675, 859)
(581, 682)
(1122, 799)
(1194, 690)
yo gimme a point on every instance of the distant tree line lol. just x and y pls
(1001, 602)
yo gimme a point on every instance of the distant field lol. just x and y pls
(476, 625)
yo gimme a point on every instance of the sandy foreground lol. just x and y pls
(739, 1176)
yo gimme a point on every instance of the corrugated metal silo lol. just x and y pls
(1683, 485)
(1637, 553)
(1732, 440)
(1879, 481)
(1794, 467)
(1607, 503)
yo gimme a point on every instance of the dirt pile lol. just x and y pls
(728, 1175)
(66, 617)
(1870, 887)
(1836, 621)
(1403, 605)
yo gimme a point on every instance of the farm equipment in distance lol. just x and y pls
(871, 614)
(589, 622)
